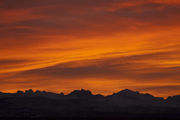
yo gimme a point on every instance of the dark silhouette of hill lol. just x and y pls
(83, 104)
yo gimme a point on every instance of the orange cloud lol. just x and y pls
(96, 43)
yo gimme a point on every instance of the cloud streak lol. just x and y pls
(93, 42)
(135, 69)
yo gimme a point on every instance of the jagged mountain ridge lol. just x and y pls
(125, 94)
(82, 103)
(77, 93)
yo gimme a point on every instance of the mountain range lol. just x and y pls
(83, 104)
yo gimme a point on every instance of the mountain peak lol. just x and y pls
(126, 92)
(29, 92)
(80, 93)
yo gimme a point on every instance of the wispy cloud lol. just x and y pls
(93, 42)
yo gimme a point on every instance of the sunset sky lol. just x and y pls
(101, 45)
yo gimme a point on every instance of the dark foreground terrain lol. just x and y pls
(83, 105)
(51, 118)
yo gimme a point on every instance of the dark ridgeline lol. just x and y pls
(82, 104)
